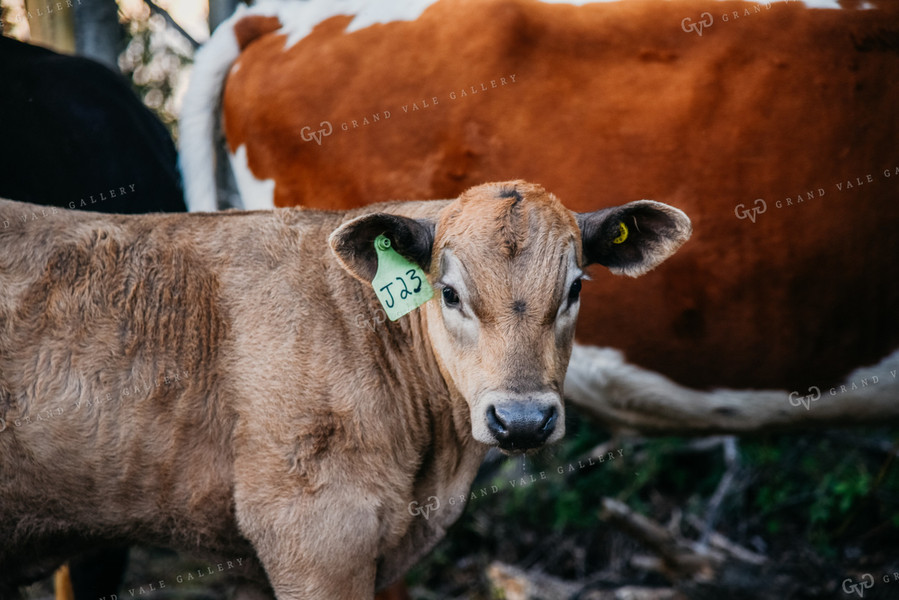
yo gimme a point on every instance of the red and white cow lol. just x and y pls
(772, 124)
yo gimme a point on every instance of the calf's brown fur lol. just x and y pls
(202, 382)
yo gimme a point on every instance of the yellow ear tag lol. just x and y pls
(622, 233)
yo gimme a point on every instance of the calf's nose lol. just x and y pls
(521, 425)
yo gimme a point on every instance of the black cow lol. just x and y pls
(75, 135)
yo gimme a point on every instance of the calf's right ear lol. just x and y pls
(354, 242)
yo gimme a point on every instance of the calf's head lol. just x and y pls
(506, 261)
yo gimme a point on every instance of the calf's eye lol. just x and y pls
(450, 297)
(575, 291)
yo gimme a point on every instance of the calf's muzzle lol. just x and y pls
(522, 424)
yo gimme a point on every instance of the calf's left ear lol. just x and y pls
(633, 238)
(354, 242)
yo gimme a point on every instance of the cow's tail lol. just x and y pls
(201, 139)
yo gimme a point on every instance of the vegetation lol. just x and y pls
(155, 59)
(830, 499)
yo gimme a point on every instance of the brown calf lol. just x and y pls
(202, 381)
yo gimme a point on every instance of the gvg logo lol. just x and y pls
(425, 509)
(378, 319)
(859, 588)
(759, 206)
(705, 20)
(806, 401)
(324, 131)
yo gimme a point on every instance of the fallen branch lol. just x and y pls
(718, 541)
(732, 460)
(518, 584)
(631, 592)
(678, 558)
(718, 569)
(626, 399)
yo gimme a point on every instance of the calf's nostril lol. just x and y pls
(549, 421)
(495, 422)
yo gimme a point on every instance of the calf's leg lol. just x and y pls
(318, 548)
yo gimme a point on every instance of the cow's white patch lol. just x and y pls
(199, 115)
(256, 194)
(818, 3)
(300, 18)
(808, 3)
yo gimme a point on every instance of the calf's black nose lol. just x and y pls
(521, 425)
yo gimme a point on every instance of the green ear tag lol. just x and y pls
(400, 285)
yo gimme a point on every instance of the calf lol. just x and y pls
(202, 382)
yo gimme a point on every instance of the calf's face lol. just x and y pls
(507, 263)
